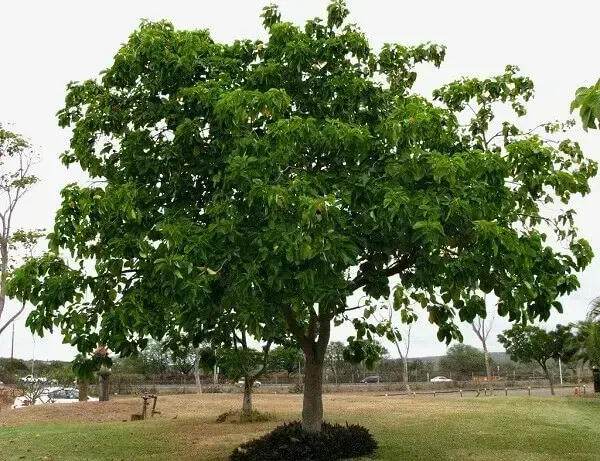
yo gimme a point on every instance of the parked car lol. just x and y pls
(440, 379)
(33, 379)
(371, 380)
(240, 383)
(52, 395)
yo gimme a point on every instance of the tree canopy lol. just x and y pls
(463, 360)
(530, 343)
(278, 177)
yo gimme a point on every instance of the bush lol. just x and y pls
(236, 416)
(290, 442)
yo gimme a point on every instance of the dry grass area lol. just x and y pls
(407, 428)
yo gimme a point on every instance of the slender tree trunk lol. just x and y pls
(405, 374)
(312, 404)
(549, 377)
(488, 367)
(247, 403)
(197, 375)
(3, 274)
(83, 390)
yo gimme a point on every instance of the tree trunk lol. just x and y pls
(197, 377)
(103, 387)
(488, 367)
(3, 274)
(549, 377)
(405, 374)
(312, 404)
(83, 390)
(247, 403)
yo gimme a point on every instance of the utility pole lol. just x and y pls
(12, 344)
(33, 357)
(560, 371)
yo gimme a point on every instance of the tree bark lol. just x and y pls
(83, 390)
(488, 367)
(312, 403)
(3, 274)
(247, 403)
(405, 374)
(549, 377)
(197, 376)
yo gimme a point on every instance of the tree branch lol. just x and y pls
(13, 318)
(295, 328)
(396, 268)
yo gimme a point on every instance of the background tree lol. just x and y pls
(462, 360)
(16, 179)
(482, 326)
(401, 339)
(593, 313)
(284, 358)
(334, 359)
(592, 343)
(304, 169)
(530, 343)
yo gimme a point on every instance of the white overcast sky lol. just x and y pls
(46, 44)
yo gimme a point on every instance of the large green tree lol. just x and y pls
(463, 360)
(302, 169)
(533, 344)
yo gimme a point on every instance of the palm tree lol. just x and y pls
(594, 310)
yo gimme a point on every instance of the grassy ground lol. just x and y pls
(492, 428)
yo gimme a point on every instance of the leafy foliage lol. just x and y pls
(240, 184)
(291, 442)
(588, 102)
(284, 359)
(464, 360)
(528, 343)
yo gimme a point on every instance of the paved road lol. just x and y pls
(535, 392)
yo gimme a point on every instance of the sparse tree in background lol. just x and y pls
(334, 359)
(401, 339)
(533, 344)
(17, 160)
(305, 166)
(482, 326)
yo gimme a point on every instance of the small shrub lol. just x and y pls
(236, 416)
(290, 442)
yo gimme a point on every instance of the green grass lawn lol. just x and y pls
(493, 428)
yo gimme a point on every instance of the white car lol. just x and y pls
(440, 379)
(240, 383)
(33, 379)
(52, 395)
